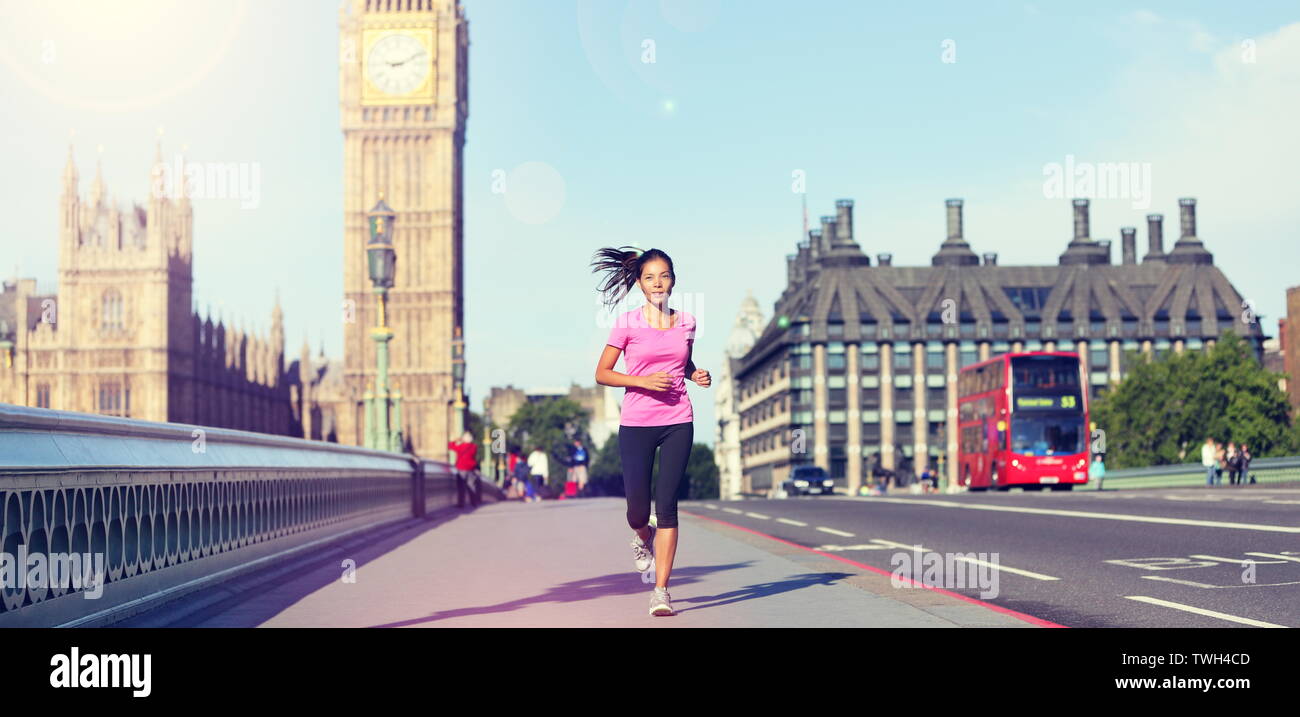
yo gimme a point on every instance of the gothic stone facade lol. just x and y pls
(120, 336)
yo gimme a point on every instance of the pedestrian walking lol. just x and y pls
(656, 342)
(512, 457)
(1243, 454)
(523, 479)
(1233, 462)
(466, 459)
(539, 471)
(1209, 461)
(1221, 459)
(578, 460)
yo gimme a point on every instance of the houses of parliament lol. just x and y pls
(121, 336)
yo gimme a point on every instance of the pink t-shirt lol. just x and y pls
(647, 350)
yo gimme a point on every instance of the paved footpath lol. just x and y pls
(568, 564)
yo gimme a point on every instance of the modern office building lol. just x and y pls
(858, 363)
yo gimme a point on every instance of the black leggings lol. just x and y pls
(636, 447)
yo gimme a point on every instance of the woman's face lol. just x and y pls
(656, 282)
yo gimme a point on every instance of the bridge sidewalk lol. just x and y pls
(568, 564)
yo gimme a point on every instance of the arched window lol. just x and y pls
(110, 318)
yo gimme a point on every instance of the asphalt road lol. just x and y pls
(1138, 558)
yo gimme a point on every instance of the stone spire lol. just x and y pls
(97, 186)
(70, 177)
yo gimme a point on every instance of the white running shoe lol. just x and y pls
(644, 555)
(659, 602)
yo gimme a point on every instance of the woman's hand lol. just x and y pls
(657, 381)
(701, 377)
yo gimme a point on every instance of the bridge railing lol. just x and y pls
(1264, 470)
(103, 517)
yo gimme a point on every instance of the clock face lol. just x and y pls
(397, 64)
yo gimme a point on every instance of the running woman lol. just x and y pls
(657, 343)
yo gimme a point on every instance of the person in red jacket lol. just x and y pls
(466, 458)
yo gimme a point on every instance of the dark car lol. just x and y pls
(808, 480)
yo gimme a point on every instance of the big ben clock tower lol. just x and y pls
(403, 103)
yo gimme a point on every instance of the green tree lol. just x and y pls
(606, 471)
(1164, 409)
(702, 470)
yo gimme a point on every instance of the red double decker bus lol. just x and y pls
(1023, 421)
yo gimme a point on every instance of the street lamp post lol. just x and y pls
(458, 384)
(382, 261)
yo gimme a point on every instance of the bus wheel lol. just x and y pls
(993, 481)
(1063, 487)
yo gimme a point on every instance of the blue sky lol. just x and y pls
(692, 153)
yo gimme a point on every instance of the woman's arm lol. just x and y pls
(607, 376)
(690, 365)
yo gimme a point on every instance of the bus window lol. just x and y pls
(1046, 435)
(1045, 372)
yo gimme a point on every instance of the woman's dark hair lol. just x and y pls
(622, 267)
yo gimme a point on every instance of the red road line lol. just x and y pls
(996, 608)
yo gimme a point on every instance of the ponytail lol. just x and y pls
(622, 267)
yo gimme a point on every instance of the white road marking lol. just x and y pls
(787, 521)
(1005, 569)
(733, 510)
(1203, 585)
(1176, 580)
(1098, 516)
(866, 546)
(1201, 611)
(1275, 555)
(833, 531)
(1239, 561)
(760, 516)
(892, 544)
(710, 505)
(1283, 502)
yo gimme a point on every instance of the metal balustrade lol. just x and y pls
(174, 508)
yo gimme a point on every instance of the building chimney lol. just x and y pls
(954, 251)
(1082, 249)
(815, 243)
(1105, 247)
(828, 233)
(844, 221)
(1155, 238)
(954, 218)
(990, 258)
(1187, 216)
(1189, 249)
(1128, 239)
(1080, 219)
(884, 260)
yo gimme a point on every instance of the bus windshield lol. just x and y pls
(1045, 372)
(1046, 435)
